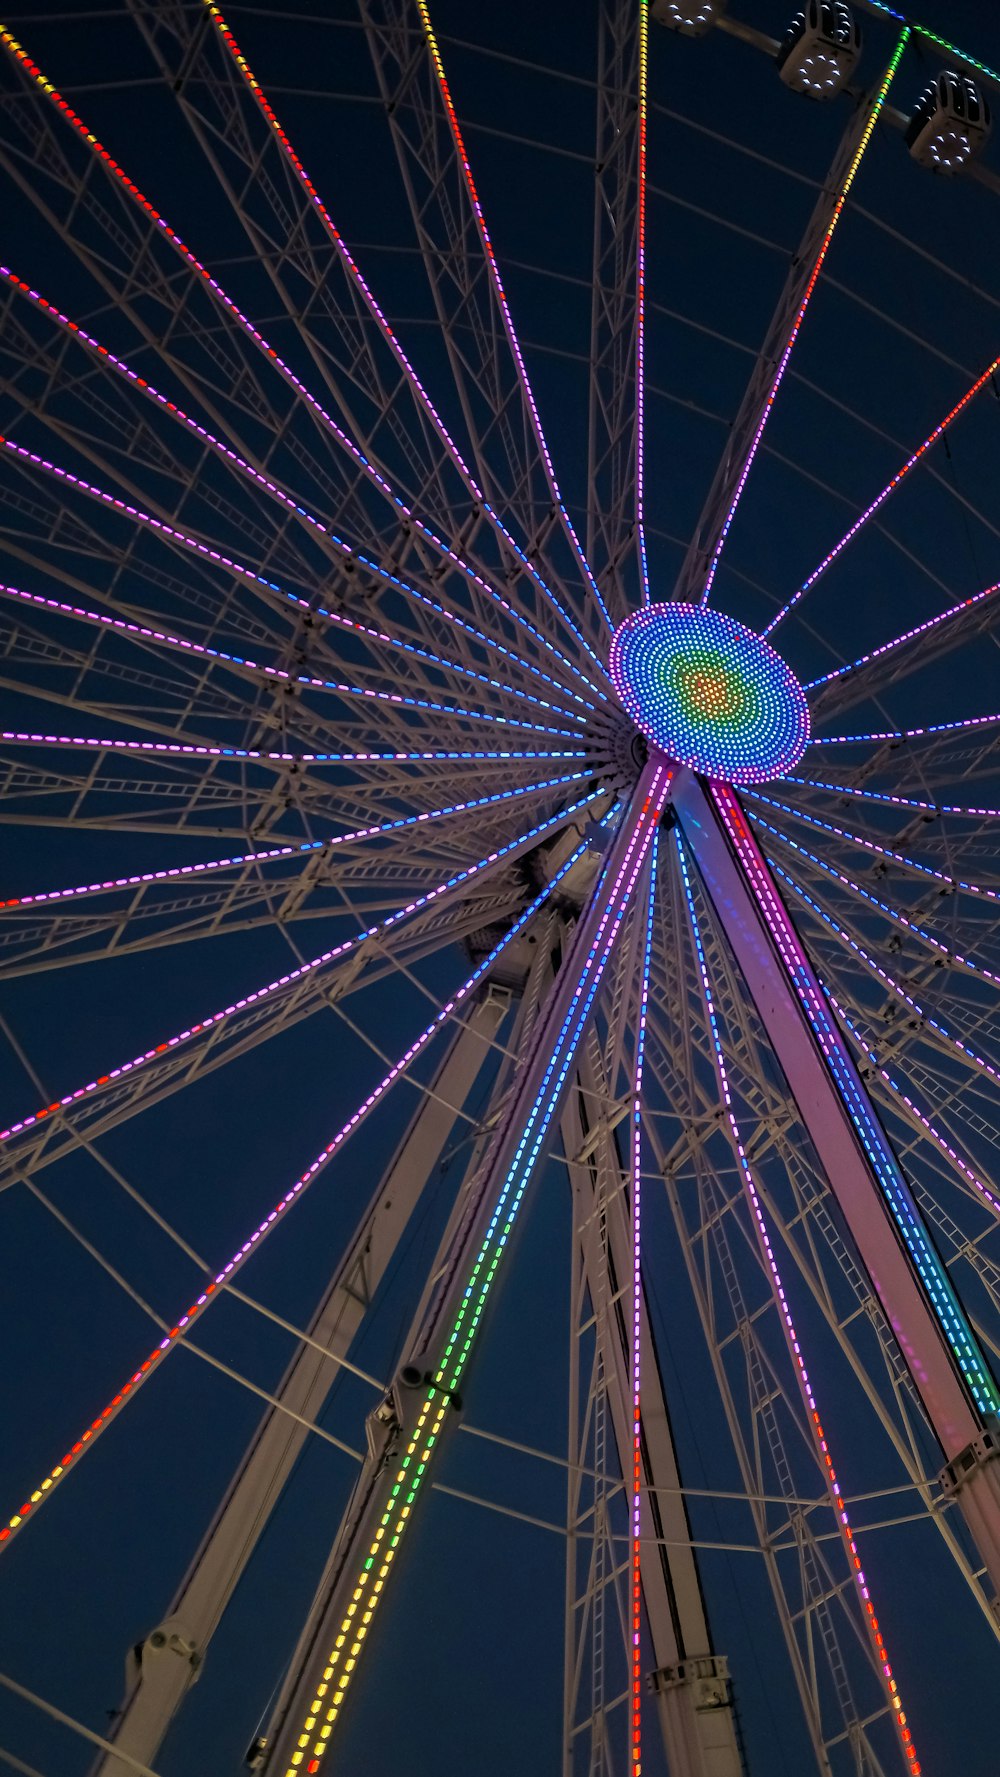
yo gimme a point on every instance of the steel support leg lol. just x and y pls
(162, 1668)
(937, 1342)
(406, 1429)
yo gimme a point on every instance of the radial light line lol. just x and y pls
(875, 968)
(353, 272)
(893, 913)
(300, 849)
(820, 1441)
(908, 635)
(192, 749)
(307, 968)
(183, 644)
(887, 1175)
(897, 801)
(493, 270)
(419, 1449)
(144, 633)
(10, 43)
(187, 541)
(843, 740)
(879, 501)
(223, 1278)
(989, 1197)
(873, 116)
(883, 851)
(640, 305)
(932, 37)
(638, 1476)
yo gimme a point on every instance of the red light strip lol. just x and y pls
(873, 116)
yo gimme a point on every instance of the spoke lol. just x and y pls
(898, 801)
(897, 734)
(21, 737)
(222, 1280)
(374, 932)
(638, 1478)
(883, 851)
(876, 1640)
(871, 118)
(909, 635)
(876, 504)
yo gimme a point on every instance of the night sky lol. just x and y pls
(466, 1667)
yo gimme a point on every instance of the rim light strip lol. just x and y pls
(810, 287)
(512, 339)
(635, 1702)
(227, 38)
(218, 1284)
(325, 1709)
(885, 1168)
(307, 968)
(880, 500)
(288, 851)
(781, 1301)
(883, 851)
(640, 305)
(35, 74)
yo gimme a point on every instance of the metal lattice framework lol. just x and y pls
(314, 550)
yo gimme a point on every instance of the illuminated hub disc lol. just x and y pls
(709, 693)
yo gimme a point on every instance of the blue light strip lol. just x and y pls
(884, 1166)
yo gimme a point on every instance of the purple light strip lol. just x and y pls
(234, 567)
(289, 851)
(142, 632)
(223, 1278)
(843, 740)
(875, 968)
(635, 1709)
(391, 340)
(908, 635)
(182, 644)
(307, 968)
(823, 1454)
(893, 913)
(881, 498)
(873, 114)
(188, 749)
(963, 1166)
(640, 306)
(898, 801)
(280, 494)
(883, 851)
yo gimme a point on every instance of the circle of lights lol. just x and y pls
(709, 692)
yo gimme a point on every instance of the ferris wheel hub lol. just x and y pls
(709, 693)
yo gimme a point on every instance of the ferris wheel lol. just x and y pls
(503, 681)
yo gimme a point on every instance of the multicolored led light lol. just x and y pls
(866, 137)
(306, 968)
(222, 1278)
(325, 1708)
(819, 1437)
(709, 693)
(885, 1168)
(880, 500)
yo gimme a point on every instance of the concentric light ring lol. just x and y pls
(710, 693)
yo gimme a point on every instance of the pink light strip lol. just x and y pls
(31, 68)
(635, 1701)
(898, 641)
(273, 853)
(897, 801)
(142, 632)
(307, 968)
(387, 333)
(223, 1277)
(794, 1347)
(843, 740)
(640, 305)
(878, 502)
(191, 749)
(882, 851)
(800, 316)
(501, 295)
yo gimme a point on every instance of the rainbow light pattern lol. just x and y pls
(792, 1340)
(710, 693)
